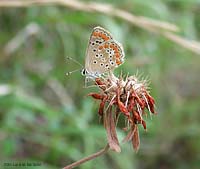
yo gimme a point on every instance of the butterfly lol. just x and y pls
(103, 54)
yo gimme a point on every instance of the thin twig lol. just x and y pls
(83, 160)
(161, 28)
(105, 8)
(189, 44)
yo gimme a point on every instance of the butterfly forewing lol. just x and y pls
(103, 53)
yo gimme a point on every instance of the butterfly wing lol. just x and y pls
(103, 53)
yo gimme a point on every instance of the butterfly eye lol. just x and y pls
(84, 72)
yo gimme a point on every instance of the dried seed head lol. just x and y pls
(129, 97)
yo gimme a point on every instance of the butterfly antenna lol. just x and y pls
(75, 61)
(69, 73)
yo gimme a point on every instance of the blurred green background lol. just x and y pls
(46, 117)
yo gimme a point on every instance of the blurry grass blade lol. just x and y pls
(21, 37)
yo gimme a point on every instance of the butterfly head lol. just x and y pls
(84, 72)
(90, 75)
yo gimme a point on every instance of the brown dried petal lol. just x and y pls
(101, 108)
(123, 109)
(151, 103)
(130, 134)
(136, 140)
(111, 131)
(144, 124)
(131, 104)
(96, 96)
(100, 83)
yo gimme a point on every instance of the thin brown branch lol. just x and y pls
(158, 27)
(189, 44)
(144, 22)
(95, 155)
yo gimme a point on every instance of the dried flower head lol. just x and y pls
(127, 96)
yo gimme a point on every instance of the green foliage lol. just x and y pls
(46, 117)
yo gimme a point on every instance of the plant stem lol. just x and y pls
(83, 160)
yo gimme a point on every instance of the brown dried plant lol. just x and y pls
(121, 96)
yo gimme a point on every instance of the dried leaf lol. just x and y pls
(96, 96)
(101, 108)
(111, 131)
(130, 134)
(123, 108)
(144, 124)
(136, 139)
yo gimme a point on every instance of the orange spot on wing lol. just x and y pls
(107, 38)
(100, 47)
(95, 34)
(103, 36)
(117, 55)
(116, 51)
(115, 48)
(106, 45)
(118, 62)
(111, 46)
(100, 34)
